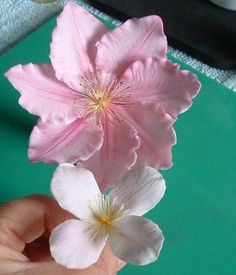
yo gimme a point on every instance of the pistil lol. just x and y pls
(106, 213)
(100, 94)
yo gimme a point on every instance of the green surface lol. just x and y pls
(197, 215)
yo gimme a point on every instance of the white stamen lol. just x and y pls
(106, 213)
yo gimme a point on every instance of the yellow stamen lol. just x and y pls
(101, 94)
(106, 213)
(101, 101)
(105, 220)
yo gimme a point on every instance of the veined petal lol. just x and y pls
(42, 94)
(74, 188)
(136, 240)
(159, 80)
(73, 43)
(117, 154)
(139, 190)
(155, 131)
(135, 39)
(61, 143)
(73, 246)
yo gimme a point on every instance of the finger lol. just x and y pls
(25, 220)
(38, 250)
(12, 261)
(107, 264)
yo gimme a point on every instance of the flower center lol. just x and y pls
(100, 94)
(105, 220)
(106, 213)
(101, 101)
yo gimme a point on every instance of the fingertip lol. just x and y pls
(26, 219)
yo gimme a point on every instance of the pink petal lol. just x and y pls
(116, 155)
(61, 143)
(135, 39)
(136, 240)
(139, 190)
(155, 131)
(42, 94)
(73, 43)
(74, 188)
(72, 245)
(159, 80)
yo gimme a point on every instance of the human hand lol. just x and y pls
(25, 226)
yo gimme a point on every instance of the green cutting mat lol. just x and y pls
(198, 213)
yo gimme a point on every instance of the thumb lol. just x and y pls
(15, 263)
(107, 264)
(23, 223)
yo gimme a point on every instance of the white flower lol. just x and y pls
(114, 217)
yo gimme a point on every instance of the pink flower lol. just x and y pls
(113, 218)
(109, 100)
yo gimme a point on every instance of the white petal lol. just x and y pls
(72, 245)
(74, 188)
(136, 240)
(139, 190)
